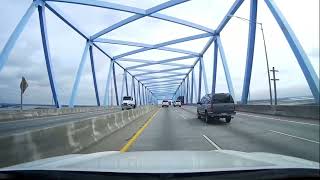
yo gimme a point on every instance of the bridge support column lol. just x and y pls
(143, 95)
(250, 51)
(192, 86)
(46, 50)
(131, 90)
(184, 91)
(225, 67)
(139, 93)
(122, 87)
(111, 92)
(187, 95)
(126, 81)
(94, 76)
(195, 88)
(215, 64)
(302, 58)
(106, 93)
(200, 79)
(204, 76)
(181, 89)
(115, 83)
(147, 95)
(78, 76)
(134, 91)
(16, 34)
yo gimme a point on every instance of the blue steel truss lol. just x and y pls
(145, 86)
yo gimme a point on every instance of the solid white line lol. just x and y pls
(211, 142)
(277, 119)
(294, 136)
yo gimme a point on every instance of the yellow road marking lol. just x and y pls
(135, 137)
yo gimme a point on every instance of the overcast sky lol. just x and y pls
(67, 46)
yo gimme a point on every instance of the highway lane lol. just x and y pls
(18, 126)
(179, 129)
(172, 129)
(119, 138)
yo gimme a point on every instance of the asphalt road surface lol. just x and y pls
(179, 129)
(18, 126)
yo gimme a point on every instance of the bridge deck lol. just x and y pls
(179, 129)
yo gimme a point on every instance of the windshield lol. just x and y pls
(127, 98)
(163, 85)
(222, 98)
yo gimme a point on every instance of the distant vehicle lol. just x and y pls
(177, 103)
(165, 103)
(181, 99)
(128, 103)
(219, 105)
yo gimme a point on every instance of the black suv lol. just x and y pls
(220, 105)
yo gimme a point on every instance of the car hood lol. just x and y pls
(167, 162)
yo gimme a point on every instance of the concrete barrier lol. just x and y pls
(300, 111)
(64, 139)
(34, 113)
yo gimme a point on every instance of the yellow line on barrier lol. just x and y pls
(135, 137)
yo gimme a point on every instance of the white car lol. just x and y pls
(165, 103)
(128, 103)
(177, 103)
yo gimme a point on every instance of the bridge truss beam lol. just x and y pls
(47, 55)
(148, 85)
(136, 44)
(250, 51)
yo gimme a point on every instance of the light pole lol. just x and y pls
(265, 52)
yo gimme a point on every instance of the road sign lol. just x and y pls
(23, 85)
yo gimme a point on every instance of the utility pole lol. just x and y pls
(267, 61)
(274, 85)
(265, 51)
